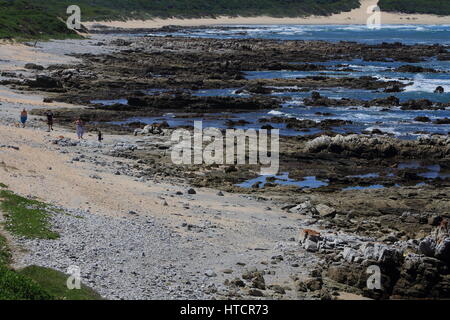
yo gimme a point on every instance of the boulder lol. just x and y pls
(442, 250)
(439, 89)
(427, 247)
(422, 277)
(258, 281)
(310, 245)
(393, 88)
(314, 284)
(421, 104)
(325, 211)
(43, 81)
(442, 121)
(33, 66)
(349, 254)
(422, 119)
(305, 208)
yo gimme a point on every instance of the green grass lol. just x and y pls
(36, 283)
(55, 283)
(3, 186)
(26, 20)
(24, 217)
(5, 253)
(14, 286)
(28, 218)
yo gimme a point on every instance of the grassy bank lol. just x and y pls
(29, 218)
(104, 9)
(25, 217)
(25, 20)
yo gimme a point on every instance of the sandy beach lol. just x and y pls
(170, 228)
(356, 16)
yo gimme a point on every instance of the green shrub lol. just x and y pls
(14, 286)
(439, 7)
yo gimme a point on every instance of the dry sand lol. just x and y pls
(356, 16)
(13, 56)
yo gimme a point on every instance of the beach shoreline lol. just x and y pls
(141, 227)
(357, 16)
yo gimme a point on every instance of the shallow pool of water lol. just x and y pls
(283, 179)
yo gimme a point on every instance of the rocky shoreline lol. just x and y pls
(381, 200)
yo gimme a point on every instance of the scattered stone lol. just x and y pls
(255, 293)
(314, 284)
(237, 283)
(210, 273)
(300, 286)
(277, 289)
(258, 281)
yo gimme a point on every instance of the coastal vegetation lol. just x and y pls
(25, 217)
(438, 7)
(28, 218)
(25, 20)
(33, 19)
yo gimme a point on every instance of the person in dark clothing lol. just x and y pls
(50, 116)
(100, 136)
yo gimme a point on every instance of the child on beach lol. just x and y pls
(80, 128)
(49, 120)
(23, 117)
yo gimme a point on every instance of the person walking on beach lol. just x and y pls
(49, 115)
(23, 117)
(100, 136)
(80, 128)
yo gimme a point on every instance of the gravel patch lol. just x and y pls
(121, 258)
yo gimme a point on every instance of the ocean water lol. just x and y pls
(394, 121)
(408, 34)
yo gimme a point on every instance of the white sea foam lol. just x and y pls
(423, 84)
(276, 113)
(390, 130)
